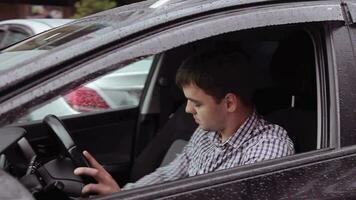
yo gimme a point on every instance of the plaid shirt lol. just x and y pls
(256, 140)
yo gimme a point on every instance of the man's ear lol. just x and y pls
(231, 102)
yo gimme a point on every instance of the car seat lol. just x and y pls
(291, 102)
(180, 126)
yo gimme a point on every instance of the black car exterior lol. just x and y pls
(322, 32)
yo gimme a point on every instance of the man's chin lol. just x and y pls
(204, 128)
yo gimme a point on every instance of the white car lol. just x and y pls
(15, 30)
(118, 89)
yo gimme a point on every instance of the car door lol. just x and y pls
(325, 19)
(326, 172)
(100, 115)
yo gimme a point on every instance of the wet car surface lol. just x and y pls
(15, 30)
(303, 57)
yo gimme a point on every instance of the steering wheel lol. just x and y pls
(59, 172)
(68, 147)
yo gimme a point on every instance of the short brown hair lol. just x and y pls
(217, 73)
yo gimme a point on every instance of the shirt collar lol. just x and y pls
(241, 135)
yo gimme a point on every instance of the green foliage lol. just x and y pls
(87, 7)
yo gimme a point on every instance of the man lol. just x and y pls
(217, 86)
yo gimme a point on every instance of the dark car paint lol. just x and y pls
(324, 175)
(346, 88)
(327, 174)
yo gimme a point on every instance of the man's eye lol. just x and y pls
(197, 105)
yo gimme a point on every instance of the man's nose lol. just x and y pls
(189, 108)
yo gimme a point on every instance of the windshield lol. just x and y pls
(42, 43)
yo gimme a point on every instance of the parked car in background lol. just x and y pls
(303, 61)
(15, 30)
(119, 89)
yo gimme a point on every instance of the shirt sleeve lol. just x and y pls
(272, 144)
(177, 169)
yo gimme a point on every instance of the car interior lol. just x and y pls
(285, 95)
(133, 142)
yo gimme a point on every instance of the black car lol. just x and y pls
(303, 56)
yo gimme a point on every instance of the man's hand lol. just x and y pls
(106, 184)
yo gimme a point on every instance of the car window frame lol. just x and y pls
(350, 8)
(127, 52)
(341, 54)
(143, 47)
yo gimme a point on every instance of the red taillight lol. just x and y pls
(85, 99)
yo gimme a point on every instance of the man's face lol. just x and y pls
(209, 114)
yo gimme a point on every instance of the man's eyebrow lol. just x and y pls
(193, 100)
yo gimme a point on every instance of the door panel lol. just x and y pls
(323, 174)
(332, 179)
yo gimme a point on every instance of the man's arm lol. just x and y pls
(107, 185)
(177, 169)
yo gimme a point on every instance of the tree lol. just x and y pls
(87, 7)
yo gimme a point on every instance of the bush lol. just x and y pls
(87, 7)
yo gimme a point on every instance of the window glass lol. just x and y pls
(119, 89)
(43, 42)
(56, 37)
(14, 36)
(2, 35)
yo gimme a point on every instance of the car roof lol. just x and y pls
(36, 25)
(132, 18)
(151, 12)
